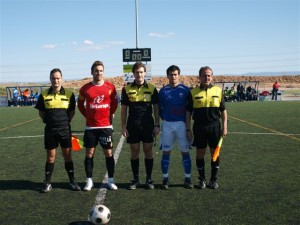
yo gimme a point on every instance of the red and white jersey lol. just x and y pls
(98, 103)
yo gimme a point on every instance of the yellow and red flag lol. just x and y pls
(77, 144)
(217, 151)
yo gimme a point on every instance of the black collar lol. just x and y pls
(145, 84)
(61, 91)
(209, 86)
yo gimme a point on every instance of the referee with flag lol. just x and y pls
(207, 106)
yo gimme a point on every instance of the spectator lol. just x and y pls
(249, 93)
(15, 97)
(26, 96)
(232, 95)
(35, 98)
(275, 90)
(240, 92)
(226, 94)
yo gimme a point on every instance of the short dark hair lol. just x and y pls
(173, 68)
(54, 71)
(95, 64)
(138, 65)
(203, 68)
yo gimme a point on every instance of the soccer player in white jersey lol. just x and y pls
(172, 109)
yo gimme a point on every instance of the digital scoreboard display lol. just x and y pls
(136, 54)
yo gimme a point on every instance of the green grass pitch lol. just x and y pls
(258, 177)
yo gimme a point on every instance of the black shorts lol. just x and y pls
(55, 136)
(207, 135)
(140, 131)
(101, 135)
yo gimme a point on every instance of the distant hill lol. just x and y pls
(284, 73)
(285, 81)
(159, 81)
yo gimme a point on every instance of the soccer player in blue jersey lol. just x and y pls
(172, 108)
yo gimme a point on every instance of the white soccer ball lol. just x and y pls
(99, 214)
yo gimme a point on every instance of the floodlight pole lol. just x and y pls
(136, 24)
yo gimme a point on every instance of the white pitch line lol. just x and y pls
(34, 136)
(277, 134)
(100, 197)
(17, 137)
(232, 132)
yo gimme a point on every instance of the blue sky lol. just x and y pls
(233, 37)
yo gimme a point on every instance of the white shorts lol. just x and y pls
(172, 131)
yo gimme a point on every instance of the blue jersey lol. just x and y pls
(172, 102)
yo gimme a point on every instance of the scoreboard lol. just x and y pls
(136, 54)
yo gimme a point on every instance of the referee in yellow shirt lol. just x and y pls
(206, 105)
(140, 101)
(56, 107)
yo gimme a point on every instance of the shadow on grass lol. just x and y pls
(81, 223)
(19, 185)
(141, 186)
(36, 186)
(30, 185)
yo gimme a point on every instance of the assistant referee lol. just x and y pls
(207, 105)
(56, 107)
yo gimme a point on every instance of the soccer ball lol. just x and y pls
(99, 214)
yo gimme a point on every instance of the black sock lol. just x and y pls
(149, 168)
(214, 168)
(135, 164)
(49, 168)
(69, 166)
(88, 165)
(110, 166)
(201, 168)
